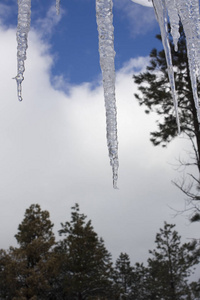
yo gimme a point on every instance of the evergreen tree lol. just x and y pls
(139, 283)
(30, 267)
(170, 266)
(86, 270)
(195, 290)
(8, 274)
(36, 228)
(155, 95)
(123, 275)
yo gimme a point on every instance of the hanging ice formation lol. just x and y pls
(161, 14)
(23, 26)
(107, 54)
(184, 11)
(57, 7)
(189, 15)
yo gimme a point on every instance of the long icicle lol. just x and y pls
(195, 23)
(107, 54)
(23, 27)
(189, 16)
(161, 14)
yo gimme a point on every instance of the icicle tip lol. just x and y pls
(115, 185)
(19, 87)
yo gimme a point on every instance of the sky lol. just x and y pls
(53, 143)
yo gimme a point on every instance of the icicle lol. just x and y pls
(24, 19)
(174, 21)
(195, 23)
(57, 7)
(161, 14)
(107, 54)
(189, 16)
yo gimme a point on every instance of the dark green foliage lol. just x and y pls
(31, 266)
(170, 265)
(86, 264)
(35, 226)
(139, 285)
(8, 271)
(155, 95)
(79, 267)
(195, 217)
(123, 275)
(166, 274)
(195, 290)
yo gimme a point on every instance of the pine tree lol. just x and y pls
(8, 274)
(170, 266)
(195, 290)
(139, 283)
(86, 270)
(123, 275)
(33, 264)
(155, 95)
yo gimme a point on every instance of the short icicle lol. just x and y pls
(23, 27)
(107, 54)
(161, 14)
(57, 7)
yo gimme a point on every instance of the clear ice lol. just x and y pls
(23, 27)
(161, 14)
(189, 16)
(107, 55)
(57, 7)
(186, 12)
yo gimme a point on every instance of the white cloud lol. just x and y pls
(53, 152)
(144, 2)
(137, 26)
(46, 25)
(135, 65)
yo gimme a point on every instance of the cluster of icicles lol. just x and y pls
(175, 11)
